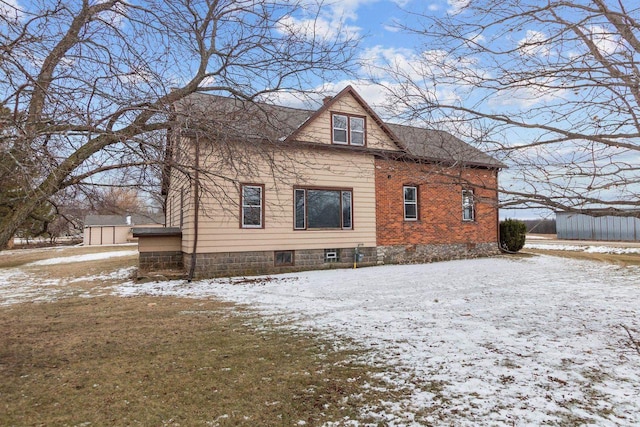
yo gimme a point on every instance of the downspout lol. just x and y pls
(497, 172)
(196, 210)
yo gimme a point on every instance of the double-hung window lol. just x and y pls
(252, 206)
(348, 130)
(410, 203)
(323, 209)
(468, 209)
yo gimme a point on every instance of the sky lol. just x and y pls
(377, 23)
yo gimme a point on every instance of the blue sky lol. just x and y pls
(383, 43)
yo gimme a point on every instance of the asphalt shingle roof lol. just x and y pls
(218, 116)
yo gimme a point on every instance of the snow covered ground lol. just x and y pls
(595, 249)
(498, 341)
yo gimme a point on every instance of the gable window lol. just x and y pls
(348, 130)
(252, 206)
(323, 209)
(468, 211)
(410, 203)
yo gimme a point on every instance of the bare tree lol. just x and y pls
(550, 88)
(87, 87)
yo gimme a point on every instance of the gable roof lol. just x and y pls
(330, 102)
(219, 116)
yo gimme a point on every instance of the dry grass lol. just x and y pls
(18, 257)
(157, 361)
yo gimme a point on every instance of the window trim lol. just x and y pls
(305, 190)
(242, 206)
(415, 202)
(471, 205)
(348, 130)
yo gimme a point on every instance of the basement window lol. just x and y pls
(331, 255)
(283, 258)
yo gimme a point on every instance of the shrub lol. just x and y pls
(512, 234)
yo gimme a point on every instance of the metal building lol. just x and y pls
(575, 226)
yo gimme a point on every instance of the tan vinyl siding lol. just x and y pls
(179, 201)
(159, 244)
(319, 130)
(220, 231)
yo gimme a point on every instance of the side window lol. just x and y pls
(468, 211)
(181, 207)
(252, 209)
(410, 203)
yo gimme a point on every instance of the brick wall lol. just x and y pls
(439, 205)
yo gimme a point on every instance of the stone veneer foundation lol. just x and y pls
(224, 264)
(160, 261)
(262, 262)
(422, 253)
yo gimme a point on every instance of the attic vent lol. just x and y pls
(330, 255)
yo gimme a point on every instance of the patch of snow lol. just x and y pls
(121, 274)
(583, 248)
(496, 341)
(82, 258)
(537, 237)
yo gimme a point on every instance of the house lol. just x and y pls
(256, 188)
(116, 229)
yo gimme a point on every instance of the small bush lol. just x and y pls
(512, 234)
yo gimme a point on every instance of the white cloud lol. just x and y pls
(539, 91)
(319, 28)
(392, 28)
(457, 6)
(607, 42)
(347, 9)
(534, 43)
(10, 11)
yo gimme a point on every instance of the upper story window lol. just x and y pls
(348, 130)
(410, 202)
(468, 209)
(323, 208)
(252, 206)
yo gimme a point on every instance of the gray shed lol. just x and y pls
(575, 226)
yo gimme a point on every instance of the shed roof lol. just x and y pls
(121, 220)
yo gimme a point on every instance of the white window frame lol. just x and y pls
(352, 131)
(349, 129)
(244, 205)
(334, 127)
(410, 202)
(468, 206)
